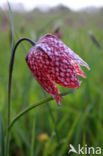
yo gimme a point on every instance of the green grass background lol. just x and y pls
(79, 120)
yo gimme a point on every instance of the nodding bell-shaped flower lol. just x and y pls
(51, 61)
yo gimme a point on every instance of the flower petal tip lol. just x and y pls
(88, 67)
(59, 103)
(58, 100)
(84, 76)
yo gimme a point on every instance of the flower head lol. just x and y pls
(51, 61)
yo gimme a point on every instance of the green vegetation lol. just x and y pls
(48, 129)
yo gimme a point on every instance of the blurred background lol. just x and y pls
(48, 130)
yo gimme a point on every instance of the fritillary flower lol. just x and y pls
(51, 61)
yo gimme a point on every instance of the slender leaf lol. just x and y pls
(1, 137)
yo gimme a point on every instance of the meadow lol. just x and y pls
(48, 130)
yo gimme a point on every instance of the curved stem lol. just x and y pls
(43, 101)
(11, 69)
(10, 79)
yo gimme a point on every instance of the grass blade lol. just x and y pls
(33, 138)
(1, 137)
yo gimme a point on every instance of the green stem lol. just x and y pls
(9, 85)
(43, 101)
(11, 70)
